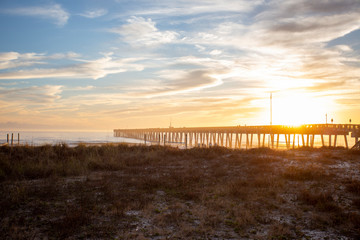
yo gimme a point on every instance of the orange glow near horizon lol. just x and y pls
(297, 109)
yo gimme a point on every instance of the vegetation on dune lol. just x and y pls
(154, 192)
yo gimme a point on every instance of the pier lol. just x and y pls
(250, 136)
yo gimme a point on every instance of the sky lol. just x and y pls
(101, 65)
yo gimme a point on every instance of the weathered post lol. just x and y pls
(7, 138)
(12, 138)
(164, 138)
(185, 140)
(145, 139)
(18, 138)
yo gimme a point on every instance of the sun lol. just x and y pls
(295, 108)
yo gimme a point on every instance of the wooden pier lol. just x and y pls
(248, 136)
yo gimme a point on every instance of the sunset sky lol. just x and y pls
(100, 65)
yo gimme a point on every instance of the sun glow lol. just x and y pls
(299, 108)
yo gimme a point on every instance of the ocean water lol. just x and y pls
(70, 138)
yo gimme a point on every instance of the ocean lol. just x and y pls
(70, 138)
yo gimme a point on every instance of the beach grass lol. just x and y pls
(155, 192)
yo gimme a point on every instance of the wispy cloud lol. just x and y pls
(172, 82)
(94, 69)
(35, 94)
(139, 31)
(189, 7)
(53, 12)
(94, 13)
(10, 60)
(290, 9)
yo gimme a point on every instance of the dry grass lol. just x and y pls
(139, 192)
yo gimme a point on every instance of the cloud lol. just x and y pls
(53, 12)
(35, 94)
(94, 69)
(307, 30)
(173, 82)
(86, 88)
(8, 56)
(189, 7)
(10, 60)
(14, 59)
(349, 102)
(289, 8)
(95, 100)
(139, 31)
(94, 13)
(25, 125)
(282, 25)
(321, 86)
(215, 52)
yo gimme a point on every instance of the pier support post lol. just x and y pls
(12, 139)
(312, 140)
(251, 140)
(247, 141)
(329, 140)
(293, 142)
(237, 140)
(277, 141)
(263, 143)
(307, 140)
(226, 139)
(346, 143)
(322, 140)
(303, 141)
(335, 140)
(240, 140)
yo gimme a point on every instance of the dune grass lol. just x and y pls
(154, 192)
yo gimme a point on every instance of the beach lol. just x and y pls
(119, 191)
